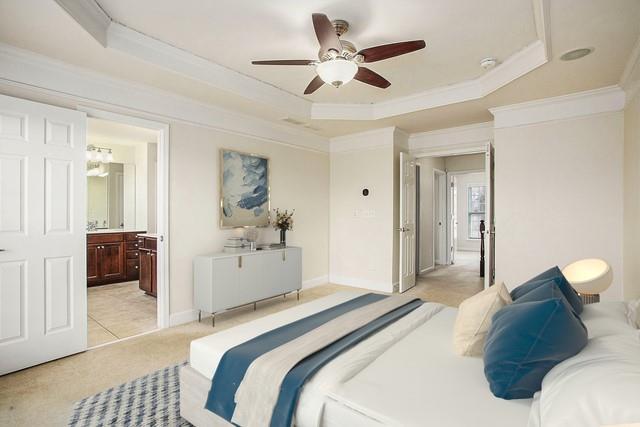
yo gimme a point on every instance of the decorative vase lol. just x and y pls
(283, 237)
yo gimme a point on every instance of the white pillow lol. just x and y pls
(633, 313)
(606, 318)
(598, 386)
(474, 319)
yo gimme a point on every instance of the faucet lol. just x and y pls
(92, 225)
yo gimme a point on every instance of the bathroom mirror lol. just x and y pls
(110, 196)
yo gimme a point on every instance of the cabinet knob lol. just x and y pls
(136, 267)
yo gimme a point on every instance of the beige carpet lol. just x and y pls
(44, 395)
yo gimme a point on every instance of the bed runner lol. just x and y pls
(346, 325)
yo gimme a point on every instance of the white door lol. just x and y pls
(407, 222)
(440, 217)
(43, 312)
(489, 236)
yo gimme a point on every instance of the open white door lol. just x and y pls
(440, 218)
(489, 235)
(407, 222)
(43, 311)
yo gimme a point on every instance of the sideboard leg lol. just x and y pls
(199, 316)
(213, 320)
(298, 294)
(254, 306)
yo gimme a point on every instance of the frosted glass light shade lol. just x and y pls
(337, 72)
(589, 276)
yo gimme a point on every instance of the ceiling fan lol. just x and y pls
(339, 61)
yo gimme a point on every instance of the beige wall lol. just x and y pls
(427, 165)
(299, 180)
(559, 196)
(361, 249)
(632, 199)
(466, 162)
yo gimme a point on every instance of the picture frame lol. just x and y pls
(245, 193)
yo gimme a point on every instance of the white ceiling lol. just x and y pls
(233, 32)
(458, 35)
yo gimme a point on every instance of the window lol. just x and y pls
(475, 209)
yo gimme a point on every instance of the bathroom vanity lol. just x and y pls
(112, 256)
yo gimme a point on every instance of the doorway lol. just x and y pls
(453, 194)
(127, 286)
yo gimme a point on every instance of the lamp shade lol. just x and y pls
(337, 72)
(589, 276)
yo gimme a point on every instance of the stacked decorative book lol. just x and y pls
(236, 244)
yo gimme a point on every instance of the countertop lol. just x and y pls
(153, 235)
(114, 230)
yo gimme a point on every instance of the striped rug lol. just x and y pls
(152, 400)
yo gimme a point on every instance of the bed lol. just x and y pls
(401, 376)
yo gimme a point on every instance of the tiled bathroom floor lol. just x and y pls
(118, 311)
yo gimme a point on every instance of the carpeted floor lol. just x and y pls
(152, 400)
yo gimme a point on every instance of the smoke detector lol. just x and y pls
(574, 54)
(488, 63)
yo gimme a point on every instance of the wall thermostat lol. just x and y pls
(365, 192)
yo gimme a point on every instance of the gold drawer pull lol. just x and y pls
(239, 262)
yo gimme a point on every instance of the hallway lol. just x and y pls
(451, 284)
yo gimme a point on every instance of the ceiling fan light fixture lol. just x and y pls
(337, 72)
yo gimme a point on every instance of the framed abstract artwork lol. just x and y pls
(244, 190)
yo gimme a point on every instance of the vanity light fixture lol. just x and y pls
(99, 154)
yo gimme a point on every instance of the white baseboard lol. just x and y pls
(362, 283)
(426, 270)
(316, 281)
(182, 317)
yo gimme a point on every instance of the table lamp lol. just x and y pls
(589, 277)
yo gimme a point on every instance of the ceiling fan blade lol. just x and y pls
(314, 85)
(326, 33)
(372, 78)
(378, 53)
(285, 62)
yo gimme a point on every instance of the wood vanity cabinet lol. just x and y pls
(112, 258)
(148, 264)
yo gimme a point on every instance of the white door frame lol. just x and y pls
(162, 201)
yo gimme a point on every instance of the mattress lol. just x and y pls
(420, 381)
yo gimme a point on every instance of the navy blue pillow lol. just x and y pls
(551, 274)
(528, 338)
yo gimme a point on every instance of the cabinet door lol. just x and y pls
(145, 270)
(93, 266)
(226, 284)
(154, 273)
(252, 279)
(271, 282)
(112, 261)
(292, 269)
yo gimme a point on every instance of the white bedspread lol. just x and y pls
(420, 381)
(405, 375)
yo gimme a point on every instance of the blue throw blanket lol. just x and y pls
(236, 361)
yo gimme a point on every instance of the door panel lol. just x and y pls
(407, 222)
(490, 242)
(12, 200)
(13, 308)
(42, 231)
(93, 271)
(145, 270)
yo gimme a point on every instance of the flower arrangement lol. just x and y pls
(283, 220)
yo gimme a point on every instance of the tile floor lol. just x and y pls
(44, 395)
(118, 311)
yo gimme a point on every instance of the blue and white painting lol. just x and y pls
(245, 190)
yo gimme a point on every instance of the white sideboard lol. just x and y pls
(222, 281)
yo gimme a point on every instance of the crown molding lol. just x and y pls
(631, 68)
(41, 74)
(161, 54)
(519, 64)
(90, 16)
(603, 100)
(367, 140)
(457, 140)
(153, 51)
